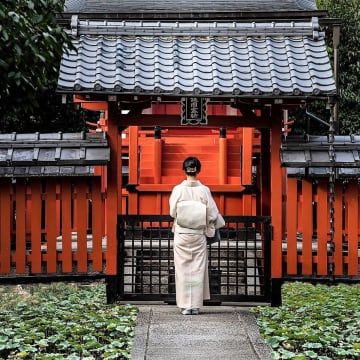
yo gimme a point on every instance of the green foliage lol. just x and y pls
(348, 11)
(314, 322)
(31, 46)
(64, 321)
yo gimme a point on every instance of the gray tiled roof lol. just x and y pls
(56, 154)
(212, 59)
(179, 6)
(313, 152)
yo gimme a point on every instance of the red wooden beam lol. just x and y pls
(175, 120)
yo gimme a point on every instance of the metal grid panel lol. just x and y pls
(238, 264)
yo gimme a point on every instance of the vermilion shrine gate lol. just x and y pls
(174, 80)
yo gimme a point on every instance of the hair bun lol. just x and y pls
(192, 165)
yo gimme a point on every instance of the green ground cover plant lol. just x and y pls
(315, 322)
(61, 321)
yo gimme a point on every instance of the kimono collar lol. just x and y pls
(192, 183)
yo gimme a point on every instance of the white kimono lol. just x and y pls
(190, 250)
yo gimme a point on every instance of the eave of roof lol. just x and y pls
(17, 171)
(53, 154)
(323, 172)
(313, 152)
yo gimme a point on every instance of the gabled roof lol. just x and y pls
(209, 59)
(246, 58)
(53, 154)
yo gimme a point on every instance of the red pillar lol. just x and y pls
(223, 160)
(133, 167)
(158, 166)
(246, 169)
(113, 190)
(265, 173)
(276, 193)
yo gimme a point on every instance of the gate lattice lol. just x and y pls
(239, 265)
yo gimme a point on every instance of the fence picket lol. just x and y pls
(5, 226)
(66, 226)
(312, 205)
(20, 216)
(50, 225)
(39, 217)
(352, 200)
(81, 229)
(338, 237)
(35, 227)
(97, 226)
(322, 227)
(307, 218)
(292, 216)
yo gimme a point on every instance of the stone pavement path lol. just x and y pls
(218, 333)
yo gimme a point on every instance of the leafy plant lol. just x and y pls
(348, 11)
(31, 46)
(31, 43)
(57, 321)
(314, 322)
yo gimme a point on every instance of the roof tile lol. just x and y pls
(312, 152)
(282, 65)
(52, 154)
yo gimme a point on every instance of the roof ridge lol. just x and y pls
(194, 28)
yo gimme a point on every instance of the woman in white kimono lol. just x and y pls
(194, 220)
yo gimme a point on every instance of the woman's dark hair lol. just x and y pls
(191, 166)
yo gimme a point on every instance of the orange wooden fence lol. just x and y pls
(309, 248)
(52, 226)
(58, 225)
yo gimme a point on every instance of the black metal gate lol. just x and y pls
(239, 265)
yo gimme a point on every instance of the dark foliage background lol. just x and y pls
(31, 45)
